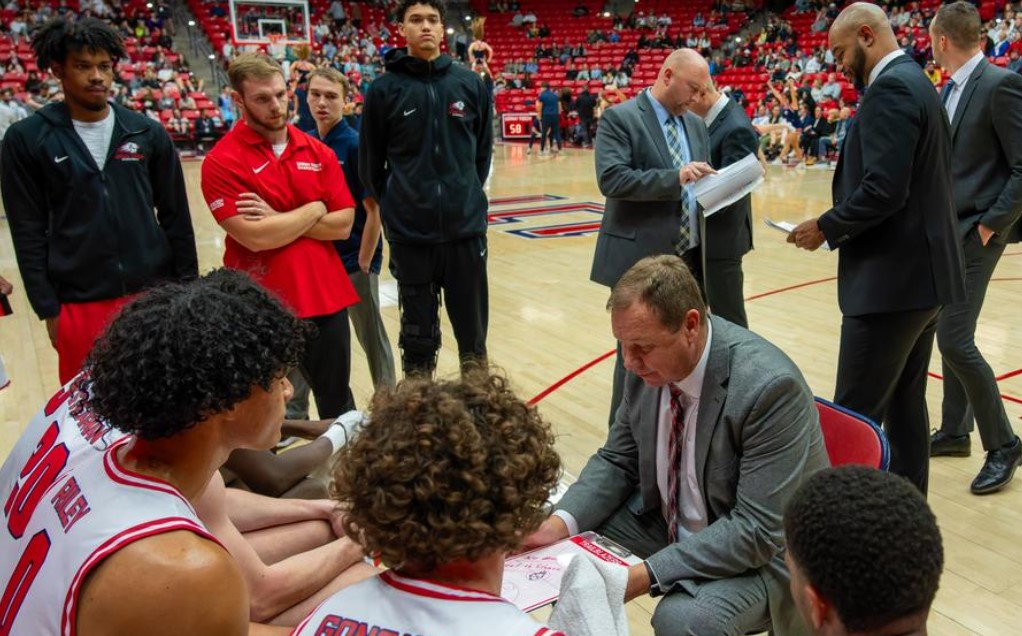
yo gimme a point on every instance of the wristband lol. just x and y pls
(337, 437)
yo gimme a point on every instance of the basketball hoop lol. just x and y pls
(274, 38)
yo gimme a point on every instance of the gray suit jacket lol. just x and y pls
(986, 156)
(635, 172)
(758, 437)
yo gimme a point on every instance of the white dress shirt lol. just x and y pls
(692, 517)
(716, 109)
(882, 64)
(960, 78)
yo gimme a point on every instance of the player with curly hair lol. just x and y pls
(99, 490)
(445, 479)
(864, 552)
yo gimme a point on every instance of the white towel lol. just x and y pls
(592, 601)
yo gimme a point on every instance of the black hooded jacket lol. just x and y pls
(425, 149)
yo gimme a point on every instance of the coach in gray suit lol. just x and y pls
(716, 430)
(649, 151)
(984, 104)
(728, 232)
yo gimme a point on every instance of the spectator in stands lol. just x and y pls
(165, 102)
(548, 108)
(449, 535)
(833, 141)
(933, 74)
(207, 128)
(16, 106)
(76, 273)
(178, 124)
(864, 552)
(1014, 62)
(832, 89)
(823, 126)
(226, 104)
(580, 10)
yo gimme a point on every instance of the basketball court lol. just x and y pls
(550, 333)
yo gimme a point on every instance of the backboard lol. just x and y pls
(265, 22)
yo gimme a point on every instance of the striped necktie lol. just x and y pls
(675, 444)
(679, 156)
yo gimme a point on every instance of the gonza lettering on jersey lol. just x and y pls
(334, 625)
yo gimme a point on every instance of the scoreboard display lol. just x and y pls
(516, 125)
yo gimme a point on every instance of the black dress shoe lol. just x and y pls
(944, 445)
(998, 469)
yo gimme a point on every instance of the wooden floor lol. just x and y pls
(547, 321)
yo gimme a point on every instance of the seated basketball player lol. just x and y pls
(444, 480)
(292, 553)
(864, 552)
(297, 473)
(101, 536)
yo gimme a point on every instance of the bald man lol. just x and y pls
(894, 226)
(649, 151)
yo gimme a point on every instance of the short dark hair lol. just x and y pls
(181, 352)
(867, 542)
(404, 5)
(960, 23)
(54, 40)
(446, 470)
(663, 283)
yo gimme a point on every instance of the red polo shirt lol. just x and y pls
(306, 274)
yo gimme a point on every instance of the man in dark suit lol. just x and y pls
(893, 221)
(984, 105)
(728, 232)
(649, 151)
(716, 431)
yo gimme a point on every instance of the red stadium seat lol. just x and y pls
(851, 438)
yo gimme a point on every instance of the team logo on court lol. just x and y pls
(456, 109)
(129, 151)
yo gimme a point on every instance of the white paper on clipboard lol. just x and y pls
(717, 191)
(533, 579)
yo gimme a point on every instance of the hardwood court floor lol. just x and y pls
(547, 320)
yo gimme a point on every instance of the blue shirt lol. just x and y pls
(686, 152)
(343, 140)
(549, 101)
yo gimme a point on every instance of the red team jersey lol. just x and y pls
(393, 605)
(67, 505)
(306, 274)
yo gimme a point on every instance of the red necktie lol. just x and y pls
(674, 447)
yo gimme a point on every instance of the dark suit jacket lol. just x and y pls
(635, 172)
(758, 437)
(893, 217)
(732, 138)
(986, 160)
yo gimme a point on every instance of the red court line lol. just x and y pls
(1010, 398)
(784, 289)
(1010, 374)
(571, 376)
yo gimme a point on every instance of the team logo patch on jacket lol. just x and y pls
(456, 109)
(129, 151)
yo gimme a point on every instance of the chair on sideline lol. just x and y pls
(852, 438)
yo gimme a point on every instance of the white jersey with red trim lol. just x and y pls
(67, 505)
(394, 605)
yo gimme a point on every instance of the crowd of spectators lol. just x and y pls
(155, 78)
